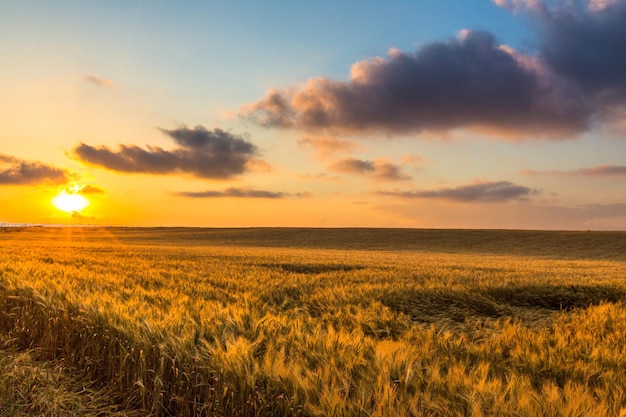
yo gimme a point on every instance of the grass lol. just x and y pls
(314, 322)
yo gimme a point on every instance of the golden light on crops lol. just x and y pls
(70, 202)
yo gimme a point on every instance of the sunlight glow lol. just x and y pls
(70, 202)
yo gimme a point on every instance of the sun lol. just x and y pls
(69, 203)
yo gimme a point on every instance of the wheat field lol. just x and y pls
(311, 322)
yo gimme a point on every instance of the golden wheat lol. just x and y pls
(251, 323)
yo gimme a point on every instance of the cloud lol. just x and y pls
(586, 45)
(232, 192)
(417, 161)
(389, 172)
(259, 166)
(583, 42)
(500, 191)
(466, 82)
(91, 189)
(327, 145)
(77, 215)
(597, 171)
(575, 81)
(517, 5)
(352, 166)
(15, 171)
(378, 169)
(241, 193)
(322, 176)
(542, 6)
(602, 170)
(98, 81)
(85, 189)
(203, 153)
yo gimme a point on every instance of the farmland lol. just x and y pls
(316, 322)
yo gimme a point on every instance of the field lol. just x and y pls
(311, 322)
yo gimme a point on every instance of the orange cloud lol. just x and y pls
(597, 171)
(327, 145)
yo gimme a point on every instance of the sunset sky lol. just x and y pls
(445, 114)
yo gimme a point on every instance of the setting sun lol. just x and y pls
(69, 202)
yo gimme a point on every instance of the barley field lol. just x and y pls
(311, 322)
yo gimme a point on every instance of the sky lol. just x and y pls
(422, 114)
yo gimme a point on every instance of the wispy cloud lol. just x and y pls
(14, 171)
(415, 160)
(231, 192)
(78, 216)
(328, 145)
(500, 191)
(98, 81)
(321, 176)
(258, 166)
(202, 153)
(239, 193)
(91, 189)
(87, 189)
(597, 171)
(378, 169)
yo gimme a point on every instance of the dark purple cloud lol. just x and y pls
(202, 153)
(597, 171)
(14, 171)
(584, 42)
(467, 82)
(378, 169)
(575, 80)
(500, 191)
